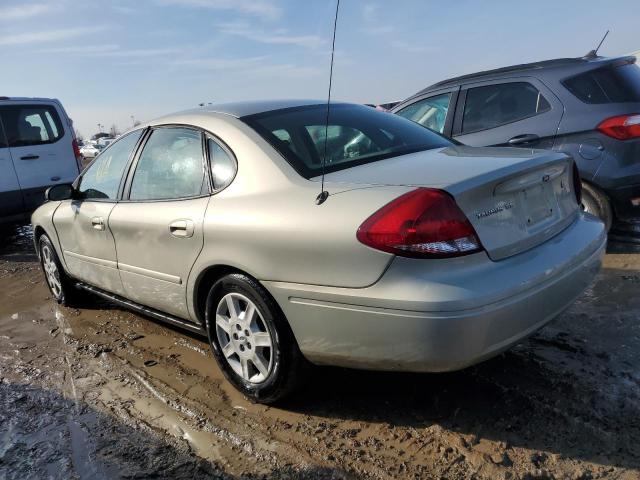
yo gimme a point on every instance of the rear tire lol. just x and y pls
(60, 285)
(252, 341)
(596, 203)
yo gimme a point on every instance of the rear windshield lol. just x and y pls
(607, 85)
(356, 134)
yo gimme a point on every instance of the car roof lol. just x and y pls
(242, 109)
(554, 66)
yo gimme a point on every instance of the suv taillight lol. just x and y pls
(623, 127)
(577, 184)
(423, 223)
(77, 154)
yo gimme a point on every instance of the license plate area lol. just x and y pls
(538, 205)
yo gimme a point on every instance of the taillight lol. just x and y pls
(623, 127)
(77, 154)
(422, 223)
(577, 184)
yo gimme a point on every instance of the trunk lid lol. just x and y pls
(514, 198)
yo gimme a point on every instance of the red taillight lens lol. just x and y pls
(577, 184)
(422, 223)
(623, 127)
(77, 154)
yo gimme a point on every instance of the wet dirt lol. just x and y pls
(100, 392)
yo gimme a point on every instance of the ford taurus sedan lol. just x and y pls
(425, 256)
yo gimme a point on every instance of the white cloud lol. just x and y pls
(81, 49)
(260, 8)
(262, 65)
(142, 52)
(46, 35)
(276, 37)
(221, 63)
(372, 22)
(18, 12)
(414, 47)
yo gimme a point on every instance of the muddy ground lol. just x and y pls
(103, 393)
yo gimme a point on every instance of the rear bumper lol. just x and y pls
(443, 315)
(621, 202)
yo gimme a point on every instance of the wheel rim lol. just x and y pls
(245, 341)
(51, 271)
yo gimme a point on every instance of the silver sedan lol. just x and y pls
(420, 255)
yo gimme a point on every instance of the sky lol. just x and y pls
(109, 61)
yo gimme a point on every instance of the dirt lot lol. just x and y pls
(104, 393)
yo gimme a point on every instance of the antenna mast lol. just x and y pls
(594, 53)
(323, 193)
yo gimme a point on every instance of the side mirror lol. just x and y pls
(63, 191)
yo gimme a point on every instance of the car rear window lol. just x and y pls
(607, 85)
(355, 135)
(27, 125)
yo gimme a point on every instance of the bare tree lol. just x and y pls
(113, 131)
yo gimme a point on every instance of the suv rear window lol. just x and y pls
(607, 85)
(26, 125)
(356, 134)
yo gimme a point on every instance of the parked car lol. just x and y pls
(586, 107)
(425, 256)
(37, 149)
(89, 151)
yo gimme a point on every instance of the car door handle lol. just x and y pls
(181, 228)
(30, 157)
(97, 223)
(522, 139)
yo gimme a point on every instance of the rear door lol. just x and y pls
(10, 195)
(83, 224)
(40, 141)
(158, 229)
(434, 110)
(518, 112)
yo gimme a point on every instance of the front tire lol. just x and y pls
(251, 340)
(596, 203)
(60, 285)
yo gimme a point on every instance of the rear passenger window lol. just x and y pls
(430, 112)
(607, 85)
(102, 178)
(171, 166)
(27, 125)
(495, 105)
(223, 165)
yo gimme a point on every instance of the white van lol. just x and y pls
(38, 149)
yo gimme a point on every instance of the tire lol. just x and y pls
(60, 285)
(596, 203)
(270, 368)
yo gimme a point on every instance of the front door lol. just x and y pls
(10, 196)
(519, 112)
(158, 228)
(82, 224)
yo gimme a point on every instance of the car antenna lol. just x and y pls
(320, 199)
(594, 53)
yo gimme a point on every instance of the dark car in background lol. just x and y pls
(587, 107)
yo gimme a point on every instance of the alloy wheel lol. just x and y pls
(244, 339)
(51, 271)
